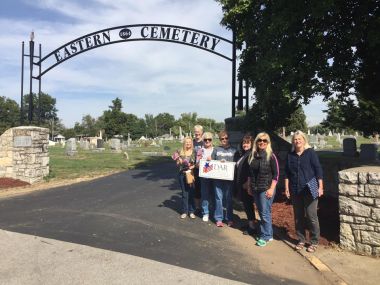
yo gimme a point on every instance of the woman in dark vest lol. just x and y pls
(264, 171)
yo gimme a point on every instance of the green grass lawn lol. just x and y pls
(92, 163)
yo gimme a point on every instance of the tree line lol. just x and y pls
(113, 121)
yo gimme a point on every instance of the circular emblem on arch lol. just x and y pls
(125, 33)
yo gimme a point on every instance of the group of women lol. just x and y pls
(256, 177)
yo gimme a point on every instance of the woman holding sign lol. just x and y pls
(207, 186)
(185, 160)
(304, 184)
(223, 188)
(264, 171)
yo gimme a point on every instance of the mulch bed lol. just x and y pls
(328, 213)
(10, 183)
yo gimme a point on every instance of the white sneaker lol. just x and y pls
(205, 218)
(192, 216)
(183, 216)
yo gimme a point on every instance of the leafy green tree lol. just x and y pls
(187, 121)
(163, 123)
(69, 133)
(335, 119)
(114, 120)
(47, 111)
(295, 50)
(9, 114)
(88, 127)
(297, 121)
(150, 126)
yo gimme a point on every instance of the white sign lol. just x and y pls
(216, 169)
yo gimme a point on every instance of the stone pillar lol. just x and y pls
(24, 153)
(359, 208)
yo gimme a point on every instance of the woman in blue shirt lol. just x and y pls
(303, 167)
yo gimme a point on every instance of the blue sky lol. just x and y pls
(149, 77)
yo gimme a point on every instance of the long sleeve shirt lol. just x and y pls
(300, 169)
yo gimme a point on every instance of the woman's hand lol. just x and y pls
(320, 192)
(269, 193)
(287, 193)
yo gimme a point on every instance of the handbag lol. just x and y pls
(189, 176)
(313, 187)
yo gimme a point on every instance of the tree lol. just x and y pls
(295, 50)
(150, 126)
(163, 123)
(88, 127)
(47, 111)
(297, 121)
(187, 121)
(9, 114)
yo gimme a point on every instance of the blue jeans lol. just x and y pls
(264, 207)
(223, 193)
(207, 194)
(187, 195)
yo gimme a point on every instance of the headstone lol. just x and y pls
(322, 143)
(330, 134)
(356, 134)
(369, 152)
(71, 147)
(84, 144)
(308, 132)
(115, 145)
(99, 143)
(349, 147)
(313, 141)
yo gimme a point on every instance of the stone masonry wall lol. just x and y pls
(359, 208)
(24, 153)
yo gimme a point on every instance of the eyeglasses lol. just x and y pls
(262, 140)
(224, 139)
(207, 140)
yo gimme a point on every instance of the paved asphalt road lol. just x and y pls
(137, 212)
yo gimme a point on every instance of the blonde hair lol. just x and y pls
(222, 134)
(301, 134)
(183, 150)
(199, 128)
(269, 151)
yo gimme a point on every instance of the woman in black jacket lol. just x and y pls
(241, 182)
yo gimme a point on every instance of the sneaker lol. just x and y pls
(192, 216)
(183, 216)
(230, 224)
(261, 243)
(271, 239)
(219, 224)
(205, 218)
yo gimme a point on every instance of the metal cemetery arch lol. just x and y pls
(138, 32)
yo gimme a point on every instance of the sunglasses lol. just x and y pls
(207, 140)
(224, 139)
(262, 140)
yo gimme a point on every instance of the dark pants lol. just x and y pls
(249, 207)
(305, 211)
(187, 194)
(197, 184)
